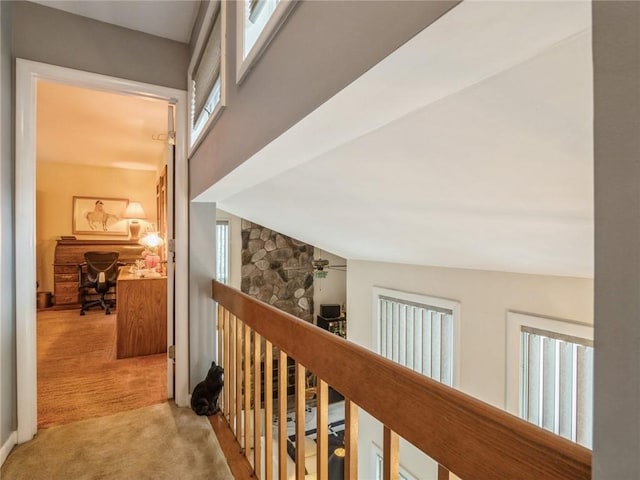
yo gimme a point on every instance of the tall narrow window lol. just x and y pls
(418, 332)
(206, 71)
(258, 22)
(556, 379)
(222, 251)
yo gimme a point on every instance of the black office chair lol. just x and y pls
(98, 272)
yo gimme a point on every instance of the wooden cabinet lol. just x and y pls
(142, 315)
(70, 253)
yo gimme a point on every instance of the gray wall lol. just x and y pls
(42, 34)
(616, 53)
(52, 36)
(323, 46)
(8, 422)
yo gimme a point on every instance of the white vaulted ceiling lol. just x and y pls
(470, 146)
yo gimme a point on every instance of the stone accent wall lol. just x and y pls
(277, 269)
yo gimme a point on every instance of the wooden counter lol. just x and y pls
(142, 315)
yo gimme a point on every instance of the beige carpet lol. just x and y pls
(79, 376)
(157, 442)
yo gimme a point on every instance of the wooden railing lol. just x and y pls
(464, 435)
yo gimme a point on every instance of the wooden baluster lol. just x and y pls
(247, 390)
(229, 368)
(257, 412)
(268, 410)
(239, 377)
(443, 473)
(222, 399)
(227, 341)
(391, 457)
(301, 387)
(322, 429)
(351, 439)
(283, 375)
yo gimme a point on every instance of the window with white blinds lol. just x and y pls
(557, 384)
(418, 332)
(206, 68)
(554, 360)
(222, 251)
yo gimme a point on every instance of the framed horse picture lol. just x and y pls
(100, 216)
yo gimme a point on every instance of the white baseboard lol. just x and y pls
(8, 446)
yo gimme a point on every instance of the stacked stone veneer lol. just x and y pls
(277, 269)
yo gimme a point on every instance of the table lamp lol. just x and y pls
(134, 212)
(336, 464)
(151, 241)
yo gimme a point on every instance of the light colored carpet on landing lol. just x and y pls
(157, 442)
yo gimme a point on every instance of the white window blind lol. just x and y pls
(222, 251)
(417, 335)
(557, 383)
(206, 73)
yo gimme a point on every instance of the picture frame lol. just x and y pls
(99, 216)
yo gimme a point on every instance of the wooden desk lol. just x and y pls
(70, 253)
(142, 315)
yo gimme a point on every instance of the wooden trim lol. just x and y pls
(351, 439)
(466, 436)
(390, 455)
(443, 473)
(301, 391)
(240, 467)
(268, 409)
(322, 429)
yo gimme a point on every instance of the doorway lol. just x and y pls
(100, 157)
(27, 75)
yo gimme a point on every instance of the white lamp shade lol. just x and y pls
(134, 210)
(152, 240)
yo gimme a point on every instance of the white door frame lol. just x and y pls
(27, 74)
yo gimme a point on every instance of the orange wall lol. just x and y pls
(57, 184)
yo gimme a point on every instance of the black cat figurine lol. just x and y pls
(204, 399)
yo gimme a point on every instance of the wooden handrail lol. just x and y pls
(466, 436)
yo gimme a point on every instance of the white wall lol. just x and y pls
(485, 298)
(203, 343)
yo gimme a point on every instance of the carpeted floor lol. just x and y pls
(157, 442)
(79, 376)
